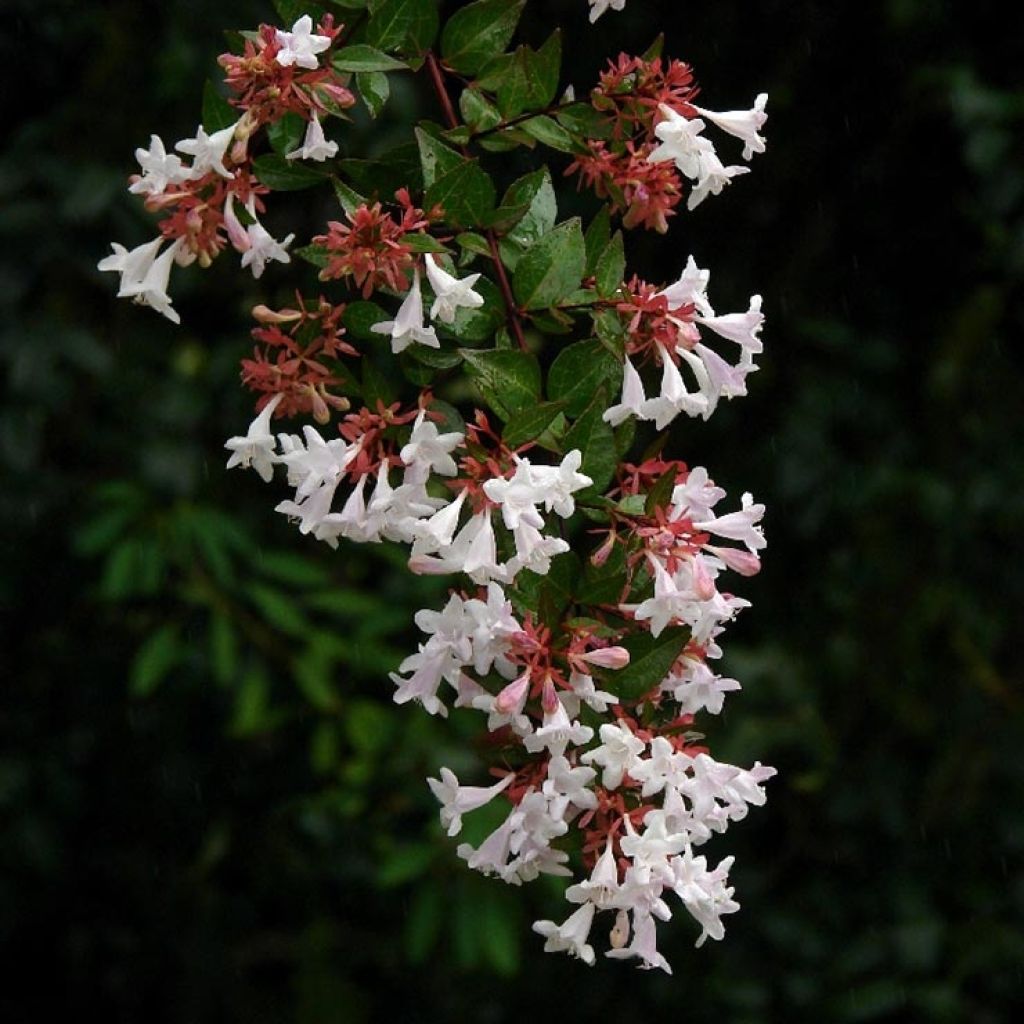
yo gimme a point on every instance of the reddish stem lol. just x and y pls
(437, 79)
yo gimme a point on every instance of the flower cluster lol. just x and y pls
(589, 589)
(217, 199)
(655, 140)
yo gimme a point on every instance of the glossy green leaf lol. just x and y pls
(407, 25)
(552, 267)
(476, 33)
(375, 89)
(217, 112)
(436, 158)
(611, 267)
(465, 193)
(594, 438)
(650, 659)
(578, 373)
(361, 57)
(287, 175)
(530, 423)
(508, 380)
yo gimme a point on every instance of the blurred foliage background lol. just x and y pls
(210, 808)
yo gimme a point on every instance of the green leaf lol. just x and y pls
(579, 372)
(477, 325)
(436, 158)
(418, 241)
(365, 58)
(508, 380)
(598, 235)
(423, 924)
(552, 267)
(155, 658)
(477, 111)
(287, 134)
(217, 112)
(315, 254)
(584, 122)
(278, 609)
(650, 659)
(223, 648)
(661, 493)
(349, 198)
(466, 194)
(595, 440)
(528, 209)
(611, 267)
(475, 243)
(360, 316)
(547, 68)
(286, 175)
(478, 32)
(375, 89)
(531, 423)
(408, 25)
(378, 387)
(549, 132)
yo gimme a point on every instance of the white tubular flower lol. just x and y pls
(429, 450)
(437, 532)
(208, 151)
(674, 398)
(644, 944)
(317, 462)
(740, 526)
(315, 145)
(713, 177)
(159, 169)
(427, 668)
(696, 496)
(704, 893)
(743, 124)
(669, 603)
(742, 328)
(557, 484)
(566, 785)
(692, 287)
(570, 936)
(256, 449)
(652, 848)
(633, 397)
(602, 888)
(492, 855)
(459, 800)
(300, 46)
(681, 142)
(408, 328)
(132, 265)
(697, 689)
(263, 248)
(151, 289)
(557, 732)
(450, 293)
(618, 753)
(598, 7)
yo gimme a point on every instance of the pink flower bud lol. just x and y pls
(549, 698)
(512, 699)
(743, 562)
(703, 584)
(264, 315)
(607, 657)
(600, 556)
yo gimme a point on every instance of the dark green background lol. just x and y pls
(233, 824)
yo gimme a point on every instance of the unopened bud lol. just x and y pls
(266, 315)
(703, 584)
(607, 657)
(512, 699)
(320, 411)
(549, 698)
(619, 935)
(743, 562)
(600, 556)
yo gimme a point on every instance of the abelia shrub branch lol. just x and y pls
(591, 572)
